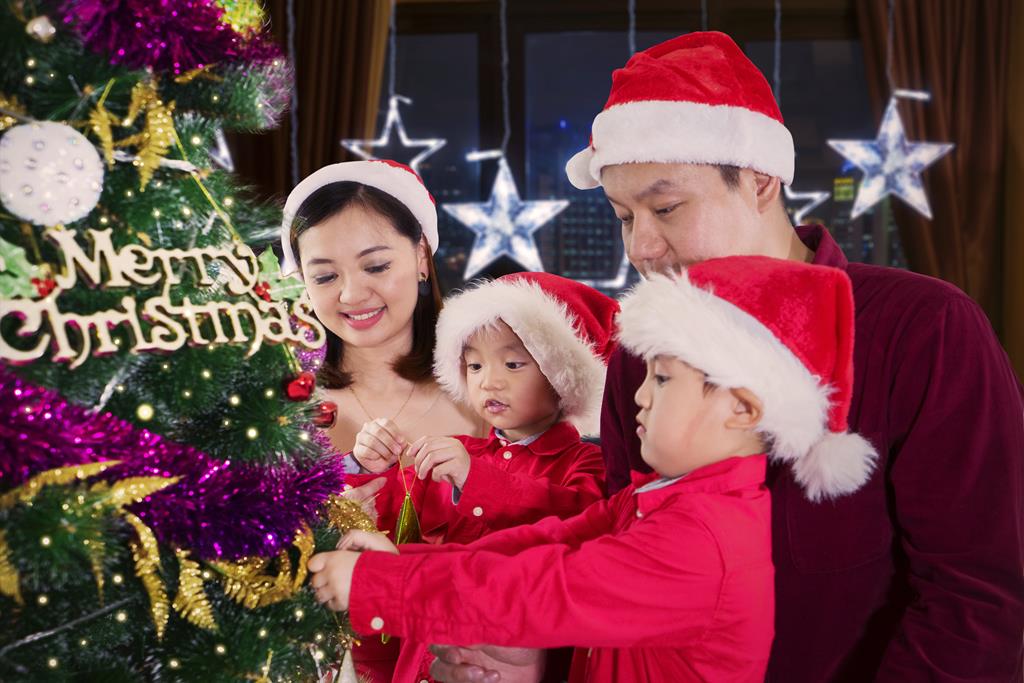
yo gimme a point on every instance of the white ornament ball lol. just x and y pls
(49, 173)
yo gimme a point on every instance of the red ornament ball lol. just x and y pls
(326, 414)
(300, 388)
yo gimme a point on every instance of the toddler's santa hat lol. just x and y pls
(783, 330)
(397, 180)
(695, 99)
(566, 326)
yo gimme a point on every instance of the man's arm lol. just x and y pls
(656, 584)
(591, 523)
(957, 469)
(619, 442)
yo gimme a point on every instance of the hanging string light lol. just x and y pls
(504, 225)
(892, 165)
(393, 120)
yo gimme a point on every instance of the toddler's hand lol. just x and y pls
(364, 540)
(443, 458)
(379, 444)
(331, 577)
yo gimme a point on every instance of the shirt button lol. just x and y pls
(639, 514)
(478, 511)
(507, 455)
(376, 623)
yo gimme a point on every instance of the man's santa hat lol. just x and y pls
(391, 177)
(783, 330)
(695, 99)
(566, 326)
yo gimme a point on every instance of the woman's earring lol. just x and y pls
(424, 285)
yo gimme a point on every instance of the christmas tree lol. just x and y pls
(161, 486)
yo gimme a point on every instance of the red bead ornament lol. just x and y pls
(300, 388)
(326, 414)
(44, 286)
(262, 291)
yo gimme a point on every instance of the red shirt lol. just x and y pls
(667, 584)
(508, 484)
(920, 574)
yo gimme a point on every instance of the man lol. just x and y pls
(920, 574)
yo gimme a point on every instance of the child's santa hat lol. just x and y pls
(566, 326)
(695, 99)
(397, 180)
(783, 330)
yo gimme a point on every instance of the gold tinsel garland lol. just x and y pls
(12, 110)
(191, 601)
(247, 582)
(146, 554)
(10, 583)
(61, 475)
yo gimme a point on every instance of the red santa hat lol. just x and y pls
(397, 180)
(566, 326)
(783, 330)
(695, 99)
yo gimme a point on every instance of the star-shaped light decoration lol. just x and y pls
(891, 164)
(393, 122)
(504, 224)
(813, 199)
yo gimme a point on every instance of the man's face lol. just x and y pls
(677, 214)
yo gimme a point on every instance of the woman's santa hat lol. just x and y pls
(695, 99)
(566, 326)
(783, 330)
(391, 177)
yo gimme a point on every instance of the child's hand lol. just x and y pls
(364, 540)
(331, 577)
(365, 495)
(379, 444)
(443, 457)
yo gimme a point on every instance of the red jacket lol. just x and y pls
(508, 484)
(668, 584)
(920, 574)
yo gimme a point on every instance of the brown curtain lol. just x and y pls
(340, 48)
(1013, 305)
(959, 52)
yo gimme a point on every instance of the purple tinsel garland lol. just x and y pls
(219, 509)
(165, 35)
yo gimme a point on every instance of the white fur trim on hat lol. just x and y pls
(734, 350)
(400, 183)
(836, 465)
(548, 331)
(686, 133)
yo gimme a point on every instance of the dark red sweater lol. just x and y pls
(919, 576)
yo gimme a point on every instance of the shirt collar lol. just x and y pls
(719, 477)
(826, 250)
(551, 441)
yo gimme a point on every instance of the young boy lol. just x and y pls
(527, 352)
(671, 579)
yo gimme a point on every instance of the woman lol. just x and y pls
(361, 235)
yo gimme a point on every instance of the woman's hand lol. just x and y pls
(364, 540)
(379, 445)
(443, 458)
(331, 577)
(365, 495)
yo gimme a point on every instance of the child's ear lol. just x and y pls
(747, 410)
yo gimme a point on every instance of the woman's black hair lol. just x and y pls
(332, 199)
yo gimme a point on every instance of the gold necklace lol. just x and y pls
(367, 412)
